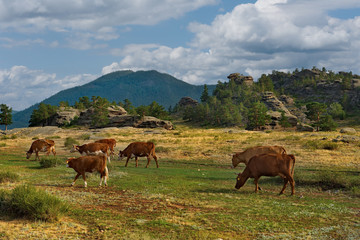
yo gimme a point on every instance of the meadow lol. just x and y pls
(191, 195)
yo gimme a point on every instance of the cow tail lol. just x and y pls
(293, 166)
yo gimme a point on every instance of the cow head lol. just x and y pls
(69, 162)
(75, 148)
(28, 154)
(121, 155)
(234, 160)
(239, 181)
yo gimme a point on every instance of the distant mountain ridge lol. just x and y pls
(141, 88)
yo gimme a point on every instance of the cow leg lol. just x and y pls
(136, 160)
(127, 160)
(155, 158)
(104, 175)
(148, 158)
(292, 183)
(84, 177)
(256, 180)
(285, 184)
(37, 156)
(76, 177)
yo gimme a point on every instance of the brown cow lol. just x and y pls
(245, 156)
(109, 141)
(90, 164)
(139, 149)
(92, 149)
(41, 145)
(269, 165)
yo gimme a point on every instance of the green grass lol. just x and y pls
(27, 201)
(196, 199)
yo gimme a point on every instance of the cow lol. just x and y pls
(90, 164)
(92, 149)
(139, 149)
(109, 141)
(41, 145)
(269, 164)
(245, 156)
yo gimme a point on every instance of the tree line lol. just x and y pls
(99, 105)
(239, 104)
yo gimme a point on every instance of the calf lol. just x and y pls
(244, 157)
(41, 145)
(139, 149)
(92, 149)
(90, 164)
(109, 141)
(269, 165)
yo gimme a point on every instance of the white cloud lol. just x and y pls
(254, 39)
(98, 17)
(21, 87)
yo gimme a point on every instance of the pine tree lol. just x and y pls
(205, 94)
(5, 115)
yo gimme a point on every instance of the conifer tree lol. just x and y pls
(5, 115)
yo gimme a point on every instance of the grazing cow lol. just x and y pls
(92, 149)
(139, 149)
(109, 141)
(41, 145)
(245, 156)
(269, 165)
(90, 164)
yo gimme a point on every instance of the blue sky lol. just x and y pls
(47, 45)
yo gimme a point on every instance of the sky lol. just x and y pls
(48, 45)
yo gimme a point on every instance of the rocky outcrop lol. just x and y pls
(240, 79)
(117, 117)
(276, 107)
(63, 116)
(187, 101)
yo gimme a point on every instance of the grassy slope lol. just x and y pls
(191, 195)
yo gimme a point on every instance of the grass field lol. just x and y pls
(191, 195)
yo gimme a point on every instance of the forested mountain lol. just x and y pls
(141, 88)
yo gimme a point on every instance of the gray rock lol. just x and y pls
(347, 130)
(302, 127)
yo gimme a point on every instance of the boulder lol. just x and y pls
(302, 127)
(187, 101)
(347, 139)
(273, 103)
(64, 115)
(347, 130)
(240, 79)
(152, 122)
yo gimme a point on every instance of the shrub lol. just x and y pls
(85, 137)
(69, 142)
(2, 144)
(48, 162)
(8, 177)
(26, 200)
(315, 144)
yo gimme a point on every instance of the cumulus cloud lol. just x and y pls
(98, 18)
(21, 87)
(254, 39)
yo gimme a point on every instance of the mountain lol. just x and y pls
(141, 88)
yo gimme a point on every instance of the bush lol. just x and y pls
(2, 144)
(36, 204)
(48, 162)
(315, 144)
(69, 142)
(8, 177)
(85, 137)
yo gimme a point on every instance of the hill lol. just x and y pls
(141, 88)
